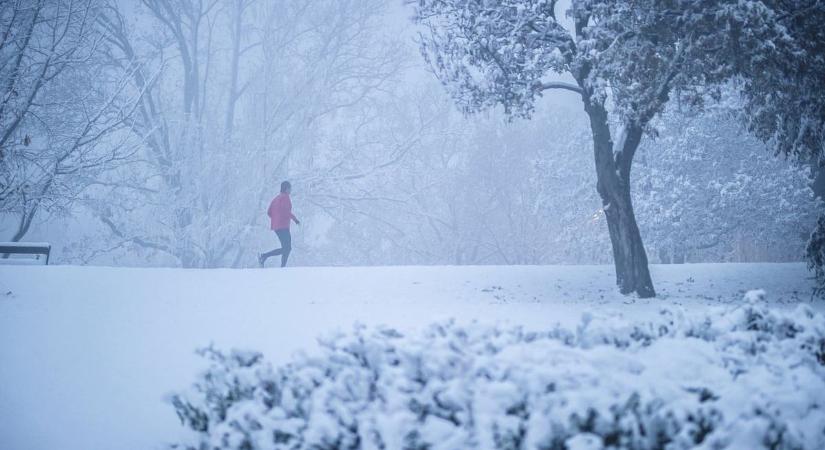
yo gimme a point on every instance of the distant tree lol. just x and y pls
(710, 191)
(61, 109)
(234, 96)
(484, 190)
(626, 60)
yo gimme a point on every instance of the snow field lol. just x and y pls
(89, 356)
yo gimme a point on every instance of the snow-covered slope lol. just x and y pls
(88, 354)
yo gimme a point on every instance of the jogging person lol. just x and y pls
(280, 213)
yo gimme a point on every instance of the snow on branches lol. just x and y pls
(637, 54)
(785, 106)
(491, 53)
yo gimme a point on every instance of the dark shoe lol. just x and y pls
(261, 259)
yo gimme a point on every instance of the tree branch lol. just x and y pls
(559, 85)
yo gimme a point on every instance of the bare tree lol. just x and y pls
(183, 19)
(62, 112)
(234, 93)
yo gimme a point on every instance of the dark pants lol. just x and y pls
(286, 247)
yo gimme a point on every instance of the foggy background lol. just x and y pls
(167, 130)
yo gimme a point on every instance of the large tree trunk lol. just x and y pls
(613, 163)
(818, 183)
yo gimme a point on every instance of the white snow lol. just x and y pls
(89, 355)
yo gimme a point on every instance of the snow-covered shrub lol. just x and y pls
(750, 377)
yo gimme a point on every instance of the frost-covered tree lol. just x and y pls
(625, 59)
(784, 103)
(62, 109)
(239, 95)
(710, 191)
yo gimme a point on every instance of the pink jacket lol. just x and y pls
(280, 212)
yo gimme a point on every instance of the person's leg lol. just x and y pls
(264, 256)
(286, 245)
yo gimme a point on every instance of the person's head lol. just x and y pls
(286, 187)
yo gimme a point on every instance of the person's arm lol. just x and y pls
(288, 205)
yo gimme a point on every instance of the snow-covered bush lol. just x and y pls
(751, 377)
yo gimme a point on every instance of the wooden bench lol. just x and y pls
(25, 248)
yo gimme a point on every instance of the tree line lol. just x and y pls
(164, 126)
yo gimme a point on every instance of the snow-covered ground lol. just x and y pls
(88, 355)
